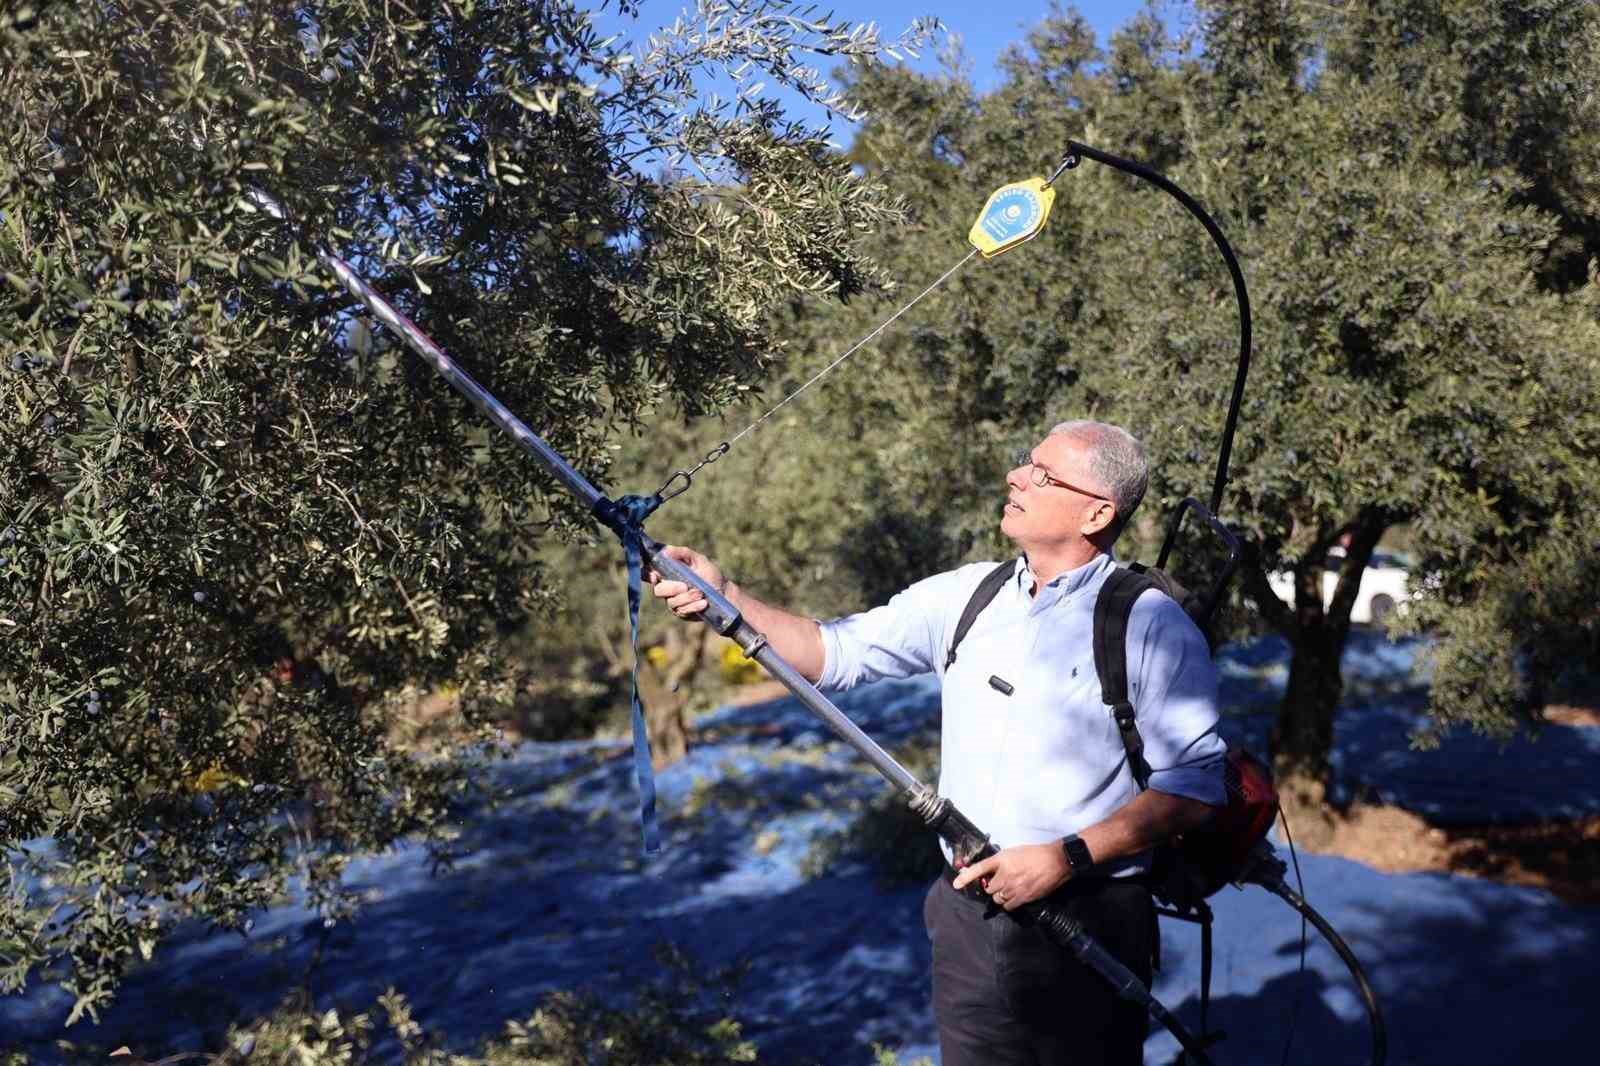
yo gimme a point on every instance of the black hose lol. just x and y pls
(1380, 1039)
(1069, 933)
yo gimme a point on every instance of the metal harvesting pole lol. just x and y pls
(967, 841)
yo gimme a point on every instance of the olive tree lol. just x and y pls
(240, 529)
(1411, 187)
(1414, 184)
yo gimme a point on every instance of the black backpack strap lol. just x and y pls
(985, 593)
(1112, 607)
(1205, 970)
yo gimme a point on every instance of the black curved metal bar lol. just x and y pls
(1230, 540)
(1074, 150)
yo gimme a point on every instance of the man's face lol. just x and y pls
(1066, 508)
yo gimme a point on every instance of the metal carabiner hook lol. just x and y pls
(688, 475)
(1069, 161)
(663, 495)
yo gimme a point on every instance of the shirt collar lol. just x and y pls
(1069, 581)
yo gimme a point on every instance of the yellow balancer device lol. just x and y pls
(1015, 213)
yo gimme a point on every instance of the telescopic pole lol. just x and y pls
(968, 842)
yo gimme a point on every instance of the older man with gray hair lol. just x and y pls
(1030, 753)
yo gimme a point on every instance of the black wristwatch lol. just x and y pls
(1078, 856)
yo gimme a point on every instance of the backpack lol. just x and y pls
(1185, 872)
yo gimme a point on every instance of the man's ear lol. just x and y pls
(1099, 517)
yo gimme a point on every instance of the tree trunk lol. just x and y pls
(1302, 737)
(665, 691)
(1303, 734)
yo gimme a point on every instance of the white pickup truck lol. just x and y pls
(1383, 591)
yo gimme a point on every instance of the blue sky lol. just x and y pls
(986, 29)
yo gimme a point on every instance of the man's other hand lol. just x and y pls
(1018, 875)
(684, 600)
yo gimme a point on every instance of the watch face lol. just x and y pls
(1077, 854)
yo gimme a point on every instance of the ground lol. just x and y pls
(550, 891)
(1562, 857)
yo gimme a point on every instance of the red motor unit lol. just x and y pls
(1217, 853)
(1200, 862)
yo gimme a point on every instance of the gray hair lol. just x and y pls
(1117, 461)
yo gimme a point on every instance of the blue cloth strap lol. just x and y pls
(637, 509)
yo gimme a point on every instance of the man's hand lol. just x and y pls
(1019, 874)
(684, 600)
(797, 639)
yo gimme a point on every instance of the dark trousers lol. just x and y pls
(1005, 995)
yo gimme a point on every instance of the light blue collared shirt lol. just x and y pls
(1046, 760)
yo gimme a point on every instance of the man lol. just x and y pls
(1031, 754)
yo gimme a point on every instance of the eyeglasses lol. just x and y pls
(1042, 477)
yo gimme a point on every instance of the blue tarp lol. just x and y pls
(554, 894)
